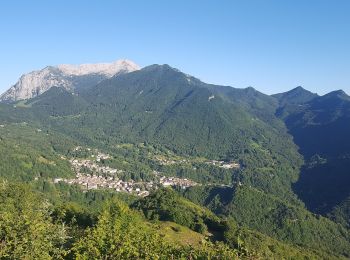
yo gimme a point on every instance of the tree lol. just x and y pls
(26, 228)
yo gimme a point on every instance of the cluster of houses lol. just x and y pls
(224, 165)
(101, 156)
(174, 181)
(164, 161)
(92, 167)
(98, 155)
(92, 182)
(90, 175)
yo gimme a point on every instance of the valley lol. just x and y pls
(227, 170)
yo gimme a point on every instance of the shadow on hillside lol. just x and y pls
(324, 185)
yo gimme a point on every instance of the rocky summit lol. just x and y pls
(69, 77)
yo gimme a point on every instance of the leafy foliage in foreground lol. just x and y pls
(26, 228)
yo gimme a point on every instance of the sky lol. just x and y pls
(271, 45)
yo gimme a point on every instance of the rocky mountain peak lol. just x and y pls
(67, 76)
(108, 69)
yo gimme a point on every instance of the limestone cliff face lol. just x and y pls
(67, 76)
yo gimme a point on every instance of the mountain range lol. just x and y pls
(292, 148)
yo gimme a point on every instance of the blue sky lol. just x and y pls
(272, 46)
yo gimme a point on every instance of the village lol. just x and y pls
(90, 175)
(224, 165)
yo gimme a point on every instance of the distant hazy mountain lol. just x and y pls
(70, 77)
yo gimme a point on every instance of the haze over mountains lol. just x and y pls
(292, 148)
